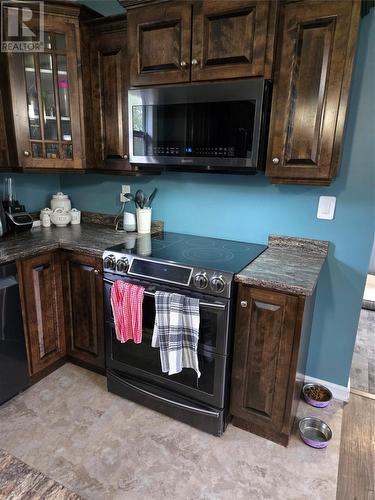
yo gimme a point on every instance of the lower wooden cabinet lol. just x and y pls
(83, 306)
(270, 348)
(42, 301)
(62, 305)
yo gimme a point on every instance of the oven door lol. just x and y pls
(143, 361)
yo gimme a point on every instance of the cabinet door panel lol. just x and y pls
(262, 355)
(43, 310)
(159, 41)
(109, 77)
(83, 288)
(4, 160)
(46, 100)
(229, 38)
(311, 89)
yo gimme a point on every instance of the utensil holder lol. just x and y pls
(144, 220)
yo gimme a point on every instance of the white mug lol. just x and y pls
(76, 216)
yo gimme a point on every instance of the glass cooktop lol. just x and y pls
(198, 251)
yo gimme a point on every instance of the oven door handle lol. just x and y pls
(213, 305)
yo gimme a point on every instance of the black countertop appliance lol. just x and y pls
(16, 216)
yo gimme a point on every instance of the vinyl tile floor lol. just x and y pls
(104, 447)
(362, 373)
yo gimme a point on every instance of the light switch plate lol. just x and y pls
(326, 207)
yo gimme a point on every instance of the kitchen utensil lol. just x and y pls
(314, 432)
(76, 216)
(61, 200)
(129, 221)
(60, 217)
(314, 402)
(149, 199)
(144, 220)
(140, 198)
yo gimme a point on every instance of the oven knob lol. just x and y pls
(110, 262)
(217, 284)
(122, 265)
(201, 281)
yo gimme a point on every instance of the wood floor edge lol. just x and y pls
(362, 393)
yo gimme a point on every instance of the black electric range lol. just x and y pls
(198, 267)
(194, 262)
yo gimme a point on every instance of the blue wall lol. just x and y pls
(34, 190)
(249, 209)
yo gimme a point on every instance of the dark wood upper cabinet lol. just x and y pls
(46, 94)
(108, 72)
(316, 47)
(4, 160)
(83, 302)
(229, 39)
(42, 305)
(159, 39)
(272, 335)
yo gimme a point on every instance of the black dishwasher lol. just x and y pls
(14, 375)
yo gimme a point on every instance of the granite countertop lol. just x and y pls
(289, 265)
(87, 238)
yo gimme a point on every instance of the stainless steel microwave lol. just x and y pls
(220, 126)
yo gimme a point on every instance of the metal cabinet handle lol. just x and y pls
(125, 157)
(26, 153)
(194, 62)
(243, 303)
(183, 64)
(96, 271)
(275, 161)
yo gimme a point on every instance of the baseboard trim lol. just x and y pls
(339, 392)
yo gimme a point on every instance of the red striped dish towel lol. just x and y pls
(126, 301)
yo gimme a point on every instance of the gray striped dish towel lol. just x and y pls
(176, 332)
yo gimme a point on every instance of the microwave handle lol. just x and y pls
(152, 294)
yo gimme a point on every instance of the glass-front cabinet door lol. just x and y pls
(47, 102)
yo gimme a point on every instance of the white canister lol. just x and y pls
(47, 211)
(76, 216)
(61, 200)
(46, 220)
(144, 220)
(129, 222)
(60, 218)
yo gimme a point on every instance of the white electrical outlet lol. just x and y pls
(124, 189)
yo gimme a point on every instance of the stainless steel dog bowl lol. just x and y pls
(314, 432)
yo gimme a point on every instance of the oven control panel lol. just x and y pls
(207, 281)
